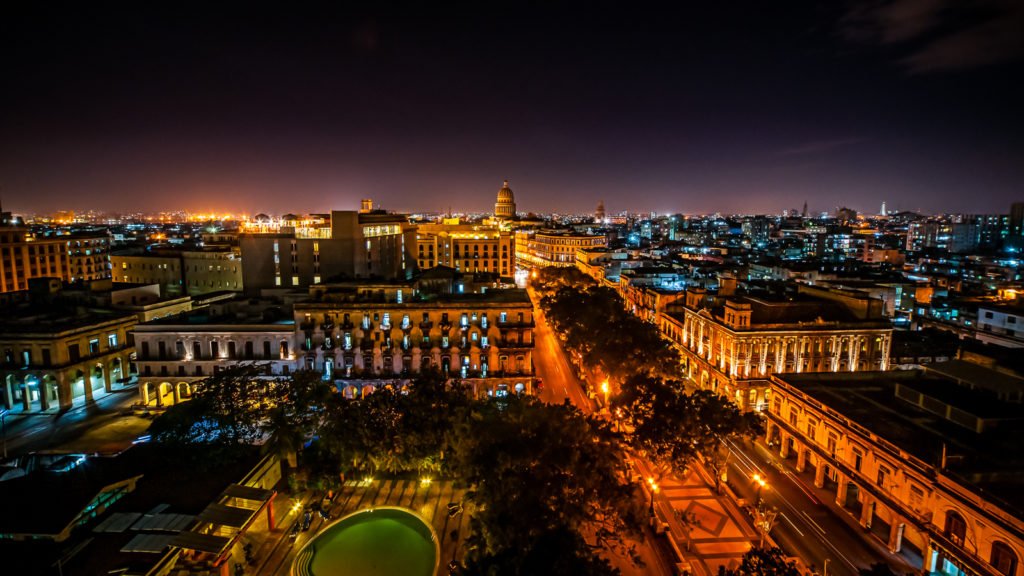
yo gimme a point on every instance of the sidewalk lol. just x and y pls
(717, 533)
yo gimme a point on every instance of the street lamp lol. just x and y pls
(760, 484)
(604, 390)
(654, 490)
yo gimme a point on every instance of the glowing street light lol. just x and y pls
(761, 483)
(604, 390)
(654, 490)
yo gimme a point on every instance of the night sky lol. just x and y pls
(732, 107)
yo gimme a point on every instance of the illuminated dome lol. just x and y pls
(505, 207)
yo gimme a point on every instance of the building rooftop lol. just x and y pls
(56, 317)
(885, 403)
(46, 502)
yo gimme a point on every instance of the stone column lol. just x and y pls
(896, 536)
(769, 427)
(867, 511)
(107, 382)
(144, 393)
(26, 396)
(177, 394)
(842, 490)
(819, 474)
(87, 386)
(784, 449)
(801, 459)
(929, 551)
(63, 390)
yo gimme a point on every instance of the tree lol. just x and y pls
(764, 562)
(227, 408)
(672, 427)
(535, 470)
(556, 551)
(296, 410)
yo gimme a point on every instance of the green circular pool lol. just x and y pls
(384, 541)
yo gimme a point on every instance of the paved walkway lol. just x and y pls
(429, 500)
(709, 529)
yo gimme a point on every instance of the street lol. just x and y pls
(561, 384)
(98, 427)
(806, 525)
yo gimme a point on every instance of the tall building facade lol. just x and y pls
(466, 247)
(73, 257)
(296, 252)
(388, 331)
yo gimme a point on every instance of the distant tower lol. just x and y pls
(884, 213)
(805, 209)
(505, 207)
(599, 213)
(366, 205)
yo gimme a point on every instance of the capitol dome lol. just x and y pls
(505, 207)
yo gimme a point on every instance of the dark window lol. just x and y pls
(231, 349)
(1003, 559)
(74, 353)
(248, 350)
(988, 314)
(197, 350)
(955, 528)
(145, 350)
(46, 357)
(266, 349)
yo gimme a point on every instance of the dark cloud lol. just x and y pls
(939, 35)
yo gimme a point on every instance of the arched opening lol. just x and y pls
(116, 371)
(350, 392)
(78, 387)
(955, 528)
(183, 391)
(1003, 559)
(96, 380)
(164, 394)
(520, 388)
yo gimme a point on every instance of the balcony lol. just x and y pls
(426, 325)
(514, 344)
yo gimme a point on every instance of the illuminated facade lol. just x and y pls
(553, 248)
(922, 461)
(56, 361)
(466, 247)
(174, 352)
(186, 272)
(297, 252)
(505, 207)
(72, 257)
(732, 343)
(390, 331)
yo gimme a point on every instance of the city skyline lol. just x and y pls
(700, 111)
